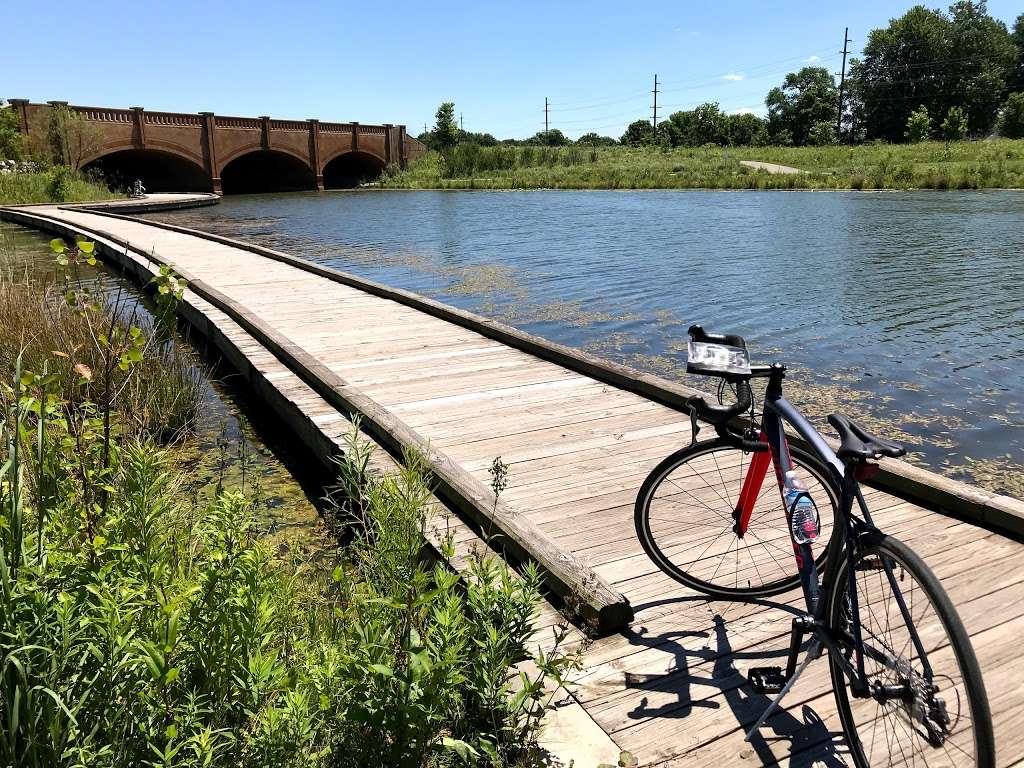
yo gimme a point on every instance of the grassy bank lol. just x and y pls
(928, 165)
(56, 185)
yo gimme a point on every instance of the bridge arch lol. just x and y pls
(350, 168)
(159, 169)
(266, 170)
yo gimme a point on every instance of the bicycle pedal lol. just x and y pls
(766, 680)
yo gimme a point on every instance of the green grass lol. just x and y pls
(56, 185)
(929, 165)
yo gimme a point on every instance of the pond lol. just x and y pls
(903, 309)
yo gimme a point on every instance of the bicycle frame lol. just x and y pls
(846, 537)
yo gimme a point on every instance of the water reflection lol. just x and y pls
(906, 309)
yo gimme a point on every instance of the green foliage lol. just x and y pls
(638, 133)
(805, 99)
(40, 187)
(821, 134)
(153, 632)
(919, 125)
(1017, 34)
(97, 348)
(10, 134)
(1011, 121)
(446, 131)
(142, 626)
(938, 60)
(954, 127)
(595, 140)
(549, 138)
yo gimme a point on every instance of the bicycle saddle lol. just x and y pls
(857, 444)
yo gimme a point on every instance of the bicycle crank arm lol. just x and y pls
(812, 653)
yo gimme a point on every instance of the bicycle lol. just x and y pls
(906, 679)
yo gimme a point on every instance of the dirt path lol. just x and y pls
(757, 165)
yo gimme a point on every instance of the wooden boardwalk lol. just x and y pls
(669, 688)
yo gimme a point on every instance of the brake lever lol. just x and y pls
(694, 426)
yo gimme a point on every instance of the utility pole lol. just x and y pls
(655, 113)
(545, 117)
(842, 84)
(460, 121)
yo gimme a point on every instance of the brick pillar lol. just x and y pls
(264, 132)
(314, 152)
(138, 128)
(21, 107)
(355, 136)
(401, 147)
(210, 151)
(387, 143)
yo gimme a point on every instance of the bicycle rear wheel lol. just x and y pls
(684, 520)
(905, 721)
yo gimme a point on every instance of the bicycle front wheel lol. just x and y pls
(684, 520)
(926, 702)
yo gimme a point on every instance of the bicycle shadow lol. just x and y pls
(811, 743)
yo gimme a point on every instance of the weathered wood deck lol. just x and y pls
(670, 688)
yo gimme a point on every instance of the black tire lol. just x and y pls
(703, 526)
(875, 730)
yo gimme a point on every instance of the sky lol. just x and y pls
(395, 61)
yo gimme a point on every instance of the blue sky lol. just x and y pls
(396, 61)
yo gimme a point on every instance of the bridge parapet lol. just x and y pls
(209, 143)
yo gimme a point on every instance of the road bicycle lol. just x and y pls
(907, 684)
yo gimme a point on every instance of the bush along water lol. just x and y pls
(142, 626)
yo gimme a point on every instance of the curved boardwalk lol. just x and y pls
(670, 688)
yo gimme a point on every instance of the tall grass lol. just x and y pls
(55, 185)
(928, 165)
(161, 397)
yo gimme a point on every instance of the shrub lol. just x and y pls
(954, 127)
(1011, 121)
(919, 125)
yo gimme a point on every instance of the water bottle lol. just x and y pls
(803, 515)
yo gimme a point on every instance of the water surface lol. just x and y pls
(904, 309)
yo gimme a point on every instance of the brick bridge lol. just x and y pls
(181, 152)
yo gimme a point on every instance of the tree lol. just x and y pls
(705, 124)
(939, 60)
(919, 125)
(480, 139)
(1017, 78)
(446, 133)
(594, 140)
(637, 133)
(954, 127)
(822, 134)
(746, 130)
(1011, 122)
(550, 138)
(59, 135)
(806, 98)
(10, 134)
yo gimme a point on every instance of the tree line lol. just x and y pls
(930, 74)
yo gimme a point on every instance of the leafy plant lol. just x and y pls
(919, 125)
